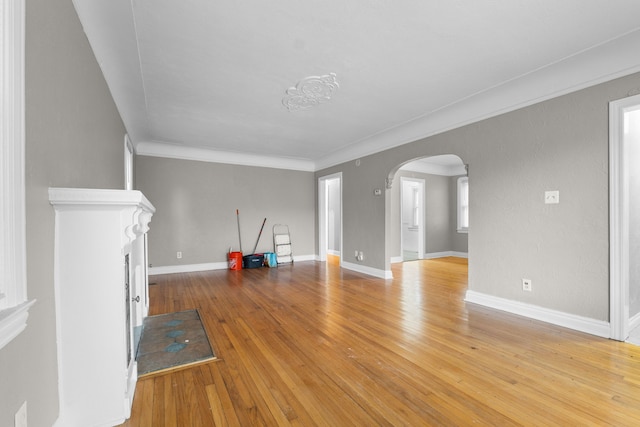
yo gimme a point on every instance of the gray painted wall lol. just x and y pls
(632, 141)
(440, 214)
(560, 144)
(196, 206)
(74, 138)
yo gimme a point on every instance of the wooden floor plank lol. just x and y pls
(311, 344)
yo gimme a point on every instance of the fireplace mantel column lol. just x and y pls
(100, 248)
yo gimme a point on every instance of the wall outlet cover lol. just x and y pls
(552, 197)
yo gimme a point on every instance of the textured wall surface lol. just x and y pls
(560, 144)
(74, 138)
(196, 206)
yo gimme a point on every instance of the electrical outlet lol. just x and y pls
(552, 197)
(360, 256)
(20, 419)
(179, 254)
(527, 285)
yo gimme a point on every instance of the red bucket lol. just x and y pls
(235, 260)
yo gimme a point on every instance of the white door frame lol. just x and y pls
(619, 219)
(421, 219)
(323, 226)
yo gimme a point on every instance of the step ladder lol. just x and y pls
(282, 244)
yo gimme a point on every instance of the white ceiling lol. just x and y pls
(206, 79)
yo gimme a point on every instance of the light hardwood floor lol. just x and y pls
(309, 345)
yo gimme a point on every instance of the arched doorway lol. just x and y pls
(436, 207)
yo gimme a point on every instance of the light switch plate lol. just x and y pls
(552, 197)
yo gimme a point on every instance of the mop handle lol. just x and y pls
(259, 234)
(239, 238)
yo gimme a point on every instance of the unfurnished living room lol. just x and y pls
(339, 213)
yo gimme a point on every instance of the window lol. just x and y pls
(13, 292)
(463, 204)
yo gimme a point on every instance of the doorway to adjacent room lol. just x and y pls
(330, 217)
(624, 211)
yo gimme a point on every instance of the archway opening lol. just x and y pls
(427, 206)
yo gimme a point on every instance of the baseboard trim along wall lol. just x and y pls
(583, 324)
(191, 268)
(432, 255)
(381, 274)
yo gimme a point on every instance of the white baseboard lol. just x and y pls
(187, 268)
(190, 268)
(381, 274)
(432, 255)
(583, 324)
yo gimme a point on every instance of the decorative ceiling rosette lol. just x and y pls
(310, 91)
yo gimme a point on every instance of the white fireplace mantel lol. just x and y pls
(101, 292)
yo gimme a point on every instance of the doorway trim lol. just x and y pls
(323, 227)
(422, 216)
(619, 219)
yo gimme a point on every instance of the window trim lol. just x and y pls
(14, 308)
(463, 180)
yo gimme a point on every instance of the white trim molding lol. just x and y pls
(192, 268)
(14, 308)
(433, 255)
(172, 151)
(579, 71)
(559, 318)
(375, 272)
(13, 321)
(619, 219)
(187, 268)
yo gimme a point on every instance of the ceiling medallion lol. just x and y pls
(310, 91)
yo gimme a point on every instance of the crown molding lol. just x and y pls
(158, 149)
(607, 61)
